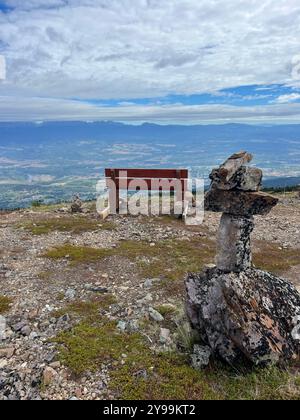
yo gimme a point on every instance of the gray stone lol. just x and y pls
(63, 322)
(7, 352)
(70, 294)
(141, 374)
(164, 337)
(122, 325)
(148, 283)
(155, 315)
(49, 375)
(200, 357)
(234, 245)
(33, 335)
(26, 331)
(18, 326)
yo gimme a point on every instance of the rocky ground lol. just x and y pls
(82, 302)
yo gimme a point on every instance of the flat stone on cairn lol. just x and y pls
(240, 312)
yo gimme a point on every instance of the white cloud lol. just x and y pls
(45, 109)
(2, 67)
(284, 99)
(146, 48)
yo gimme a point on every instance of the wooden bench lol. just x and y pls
(152, 179)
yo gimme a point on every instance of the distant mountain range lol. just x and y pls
(50, 161)
(70, 131)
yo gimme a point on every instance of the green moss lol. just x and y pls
(88, 310)
(168, 377)
(270, 257)
(87, 346)
(78, 255)
(4, 304)
(72, 224)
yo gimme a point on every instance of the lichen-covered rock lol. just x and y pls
(252, 315)
(234, 245)
(239, 203)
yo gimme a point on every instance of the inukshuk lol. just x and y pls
(238, 311)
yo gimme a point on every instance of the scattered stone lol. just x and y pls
(19, 326)
(55, 365)
(200, 357)
(122, 326)
(141, 374)
(98, 289)
(7, 352)
(148, 283)
(26, 331)
(155, 315)
(33, 335)
(70, 294)
(49, 375)
(3, 364)
(164, 337)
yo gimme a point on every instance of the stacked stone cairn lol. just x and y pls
(240, 313)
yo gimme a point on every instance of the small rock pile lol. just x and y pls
(76, 205)
(241, 313)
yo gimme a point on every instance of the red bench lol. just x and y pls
(153, 179)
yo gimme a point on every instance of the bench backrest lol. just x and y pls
(147, 175)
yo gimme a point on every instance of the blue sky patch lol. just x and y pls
(254, 95)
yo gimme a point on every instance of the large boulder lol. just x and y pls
(249, 316)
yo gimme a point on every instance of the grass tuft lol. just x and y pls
(4, 304)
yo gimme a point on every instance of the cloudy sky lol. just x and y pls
(164, 61)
